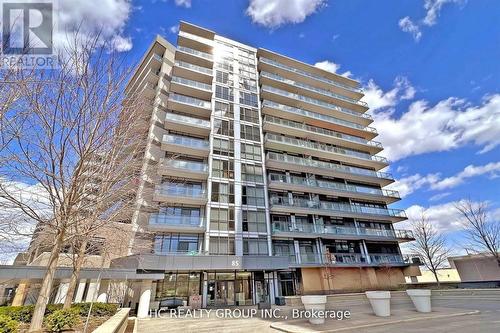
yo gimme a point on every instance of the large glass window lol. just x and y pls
(251, 152)
(224, 127)
(176, 243)
(254, 220)
(253, 195)
(221, 219)
(255, 246)
(224, 78)
(250, 132)
(223, 169)
(221, 245)
(250, 115)
(178, 285)
(224, 93)
(223, 147)
(224, 109)
(223, 192)
(248, 99)
(252, 173)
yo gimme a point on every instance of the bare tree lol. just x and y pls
(483, 235)
(430, 245)
(77, 124)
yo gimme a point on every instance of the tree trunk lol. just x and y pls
(73, 282)
(437, 279)
(48, 280)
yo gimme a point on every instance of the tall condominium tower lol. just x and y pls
(261, 178)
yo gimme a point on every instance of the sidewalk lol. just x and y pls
(366, 320)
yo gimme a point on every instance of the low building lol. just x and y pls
(444, 275)
(477, 269)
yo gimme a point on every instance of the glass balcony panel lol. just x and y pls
(192, 83)
(197, 53)
(181, 190)
(187, 120)
(186, 141)
(193, 67)
(164, 219)
(190, 100)
(187, 165)
(383, 258)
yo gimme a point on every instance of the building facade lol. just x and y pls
(260, 179)
(256, 157)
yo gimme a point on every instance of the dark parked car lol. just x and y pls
(170, 303)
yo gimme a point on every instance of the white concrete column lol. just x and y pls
(61, 292)
(205, 290)
(297, 251)
(144, 299)
(103, 292)
(80, 290)
(92, 291)
(368, 259)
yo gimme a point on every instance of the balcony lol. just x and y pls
(192, 56)
(195, 72)
(308, 230)
(326, 151)
(186, 124)
(314, 92)
(164, 222)
(184, 169)
(303, 206)
(193, 41)
(189, 105)
(387, 259)
(302, 184)
(344, 259)
(266, 63)
(185, 145)
(317, 119)
(299, 129)
(179, 193)
(189, 87)
(300, 164)
(315, 105)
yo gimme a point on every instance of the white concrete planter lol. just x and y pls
(314, 303)
(421, 298)
(380, 302)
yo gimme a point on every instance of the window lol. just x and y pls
(257, 246)
(224, 93)
(251, 152)
(224, 78)
(248, 99)
(224, 127)
(250, 115)
(225, 65)
(222, 219)
(248, 84)
(223, 169)
(223, 192)
(253, 195)
(250, 132)
(224, 109)
(252, 173)
(221, 245)
(176, 243)
(223, 147)
(254, 221)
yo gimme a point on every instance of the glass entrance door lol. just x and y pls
(221, 293)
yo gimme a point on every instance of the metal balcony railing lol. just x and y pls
(318, 116)
(314, 101)
(324, 147)
(384, 258)
(308, 74)
(326, 165)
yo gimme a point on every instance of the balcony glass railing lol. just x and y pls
(302, 181)
(181, 190)
(384, 258)
(185, 165)
(193, 67)
(197, 53)
(311, 75)
(196, 38)
(309, 258)
(404, 234)
(326, 165)
(312, 88)
(173, 220)
(336, 206)
(324, 147)
(190, 100)
(344, 258)
(186, 141)
(192, 83)
(317, 116)
(315, 102)
(319, 130)
(187, 120)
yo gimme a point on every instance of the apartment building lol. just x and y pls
(262, 177)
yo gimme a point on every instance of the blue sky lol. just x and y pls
(430, 70)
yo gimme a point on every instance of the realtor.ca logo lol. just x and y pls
(27, 34)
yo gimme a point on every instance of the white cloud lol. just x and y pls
(275, 13)
(439, 196)
(378, 99)
(432, 9)
(331, 67)
(174, 29)
(407, 25)
(183, 3)
(108, 18)
(407, 185)
(493, 169)
(447, 125)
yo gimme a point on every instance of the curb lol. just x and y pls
(273, 326)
